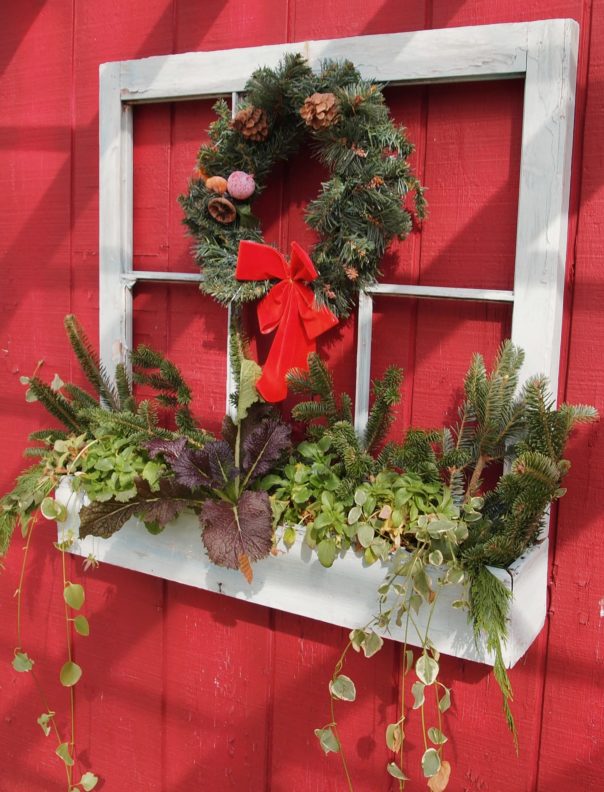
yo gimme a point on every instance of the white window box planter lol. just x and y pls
(294, 581)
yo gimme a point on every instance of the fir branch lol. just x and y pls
(123, 386)
(489, 607)
(90, 362)
(80, 399)
(48, 435)
(56, 404)
(386, 396)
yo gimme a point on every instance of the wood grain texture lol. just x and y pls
(164, 667)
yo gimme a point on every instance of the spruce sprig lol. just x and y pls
(354, 451)
(90, 363)
(489, 605)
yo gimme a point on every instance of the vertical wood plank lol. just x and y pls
(123, 660)
(573, 711)
(35, 208)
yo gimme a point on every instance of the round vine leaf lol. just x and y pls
(74, 595)
(372, 644)
(342, 687)
(70, 674)
(22, 662)
(81, 625)
(455, 576)
(440, 781)
(417, 690)
(62, 751)
(88, 781)
(53, 510)
(396, 772)
(435, 558)
(436, 736)
(394, 737)
(430, 762)
(44, 722)
(445, 701)
(360, 496)
(354, 514)
(426, 669)
(327, 738)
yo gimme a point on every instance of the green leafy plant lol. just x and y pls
(99, 447)
(236, 519)
(420, 506)
(443, 529)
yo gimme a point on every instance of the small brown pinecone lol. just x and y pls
(321, 110)
(252, 123)
(352, 273)
(222, 210)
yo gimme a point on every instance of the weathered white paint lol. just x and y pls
(545, 169)
(450, 54)
(544, 53)
(130, 279)
(440, 292)
(115, 216)
(294, 581)
(363, 378)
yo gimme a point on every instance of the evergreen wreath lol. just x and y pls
(360, 209)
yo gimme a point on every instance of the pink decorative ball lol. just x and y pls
(241, 185)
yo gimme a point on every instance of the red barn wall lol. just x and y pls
(184, 689)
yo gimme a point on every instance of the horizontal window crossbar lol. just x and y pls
(440, 292)
(131, 278)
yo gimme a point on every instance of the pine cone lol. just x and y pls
(321, 110)
(252, 123)
(222, 210)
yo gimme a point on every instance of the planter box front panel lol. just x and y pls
(294, 581)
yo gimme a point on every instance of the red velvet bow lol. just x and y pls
(289, 308)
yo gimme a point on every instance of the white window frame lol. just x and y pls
(543, 53)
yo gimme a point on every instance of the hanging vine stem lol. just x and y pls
(29, 663)
(69, 649)
(338, 667)
(405, 667)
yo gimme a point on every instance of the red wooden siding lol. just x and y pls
(184, 689)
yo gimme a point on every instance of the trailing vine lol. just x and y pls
(417, 505)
